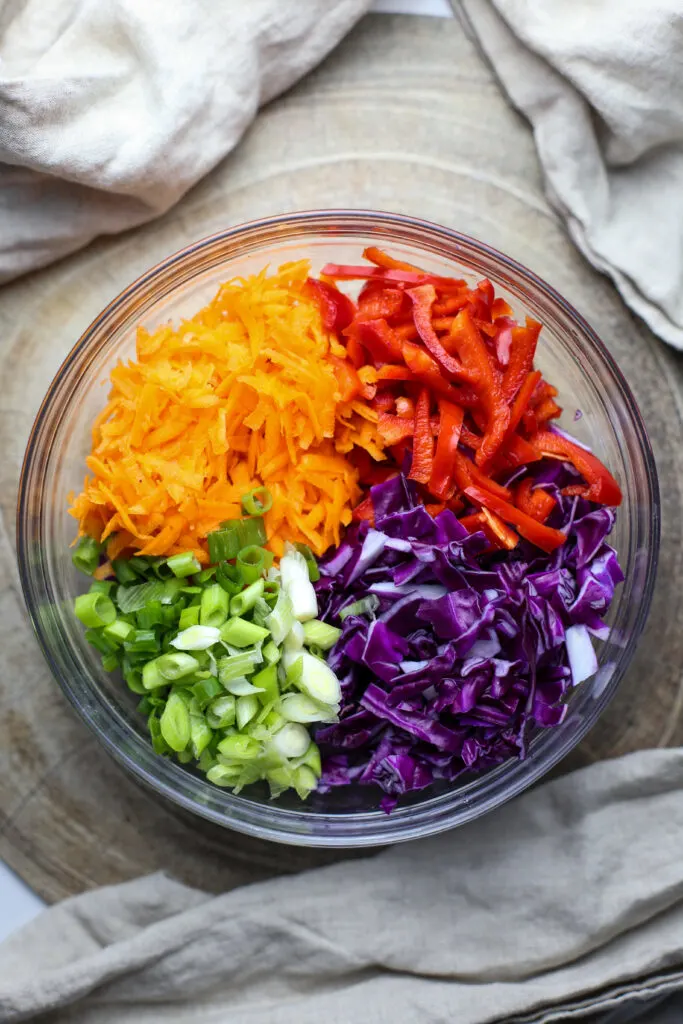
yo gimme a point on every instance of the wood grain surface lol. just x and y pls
(404, 116)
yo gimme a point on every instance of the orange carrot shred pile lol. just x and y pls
(242, 395)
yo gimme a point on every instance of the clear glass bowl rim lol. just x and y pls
(268, 821)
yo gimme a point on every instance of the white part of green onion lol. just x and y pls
(294, 640)
(317, 680)
(297, 707)
(247, 708)
(241, 687)
(320, 634)
(196, 638)
(305, 781)
(292, 740)
(280, 620)
(296, 583)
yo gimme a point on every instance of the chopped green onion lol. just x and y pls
(312, 759)
(221, 713)
(239, 747)
(110, 662)
(143, 641)
(241, 633)
(235, 665)
(123, 571)
(95, 609)
(294, 668)
(151, 615)
(223, 775)
(86, 557)
(280, 620)
(297, 707)
(271, 590)
(252, 531)
(200, 733)
(196, 638)
(251, 562)
(205, 575)
(311, 564)
(132, 599)
(223, 544)
(247, 598)
(279, 779)
(118, 631)
(260, 612)
(320, 634)
(152, 677)
(294, 640)
(156, 567)
(266, 681)
(102, 587)
(271, 653)
(229, 577)
(175, 723)
(134, 680)
(257, 502)
(316, 679)
(241, 687)
(213, 609)
(305, 781)
(366, 606)
(292, 740)
(247, 708)
(183, 565)
(206, 690)
(295, 581)
(189, 617)
(177, 665)
(159, 744)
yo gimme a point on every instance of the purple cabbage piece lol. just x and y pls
(467, 654)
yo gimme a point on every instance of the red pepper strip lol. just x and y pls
(504, 326)
(543, 391)
(522, 353)
(500, 308)
(521, 402)
(423, 300)
(486, 295)
(349, 273)
(337, 309)
(476, 359)
(442, 323)
(393, 429)
(364, 512)
(542, 536)
(489, 329)
(399, 452)
(473, 523)
(426, 369)
(379, 339)
(374, 302)
(441, 482)
(470, 439)
(406, 332)
(547, 410)
(602, 487)
(515, 452)
(383, 402)
(354, 351)
(537, 503)
(434, 509)
(448, 304)
(503, 534)
(423, 442)
(391, 373)
(349, 383)
(383, 259)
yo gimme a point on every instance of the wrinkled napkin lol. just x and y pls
(566, 901)
(601, 82)
(110, 111)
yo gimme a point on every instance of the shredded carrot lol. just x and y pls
(241, 395)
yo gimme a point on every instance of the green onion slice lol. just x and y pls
(257, 502)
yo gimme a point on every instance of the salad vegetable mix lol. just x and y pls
(342, 541)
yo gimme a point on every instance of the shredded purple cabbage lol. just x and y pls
(468, 652)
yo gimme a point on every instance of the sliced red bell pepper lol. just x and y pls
(449, 304)
(383, 402)
(383, 259)
(542, 536)
(546, 410)
(423, 300)
(522, 399)
(355, 351)
(504, 326)
(515, 452)
(601, 485)
(405, 407)
(504, 536)
(392, 373)
(473, 522)
(426, 369)
(343, 272)
(423, 441)
(349, 383)
(406, 331)
(435, 508)
(535, 501)
(522, 352)
(379, 339)
(393, 429)
(337, 309)
(470, 439)
(500, 308)
(364, 512)
(442, 482)
(477, 360)
(377, 302)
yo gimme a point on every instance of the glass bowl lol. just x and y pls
(570, 355)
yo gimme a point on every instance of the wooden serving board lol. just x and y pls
(405, 116)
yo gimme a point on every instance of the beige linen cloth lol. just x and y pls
(567, 900)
